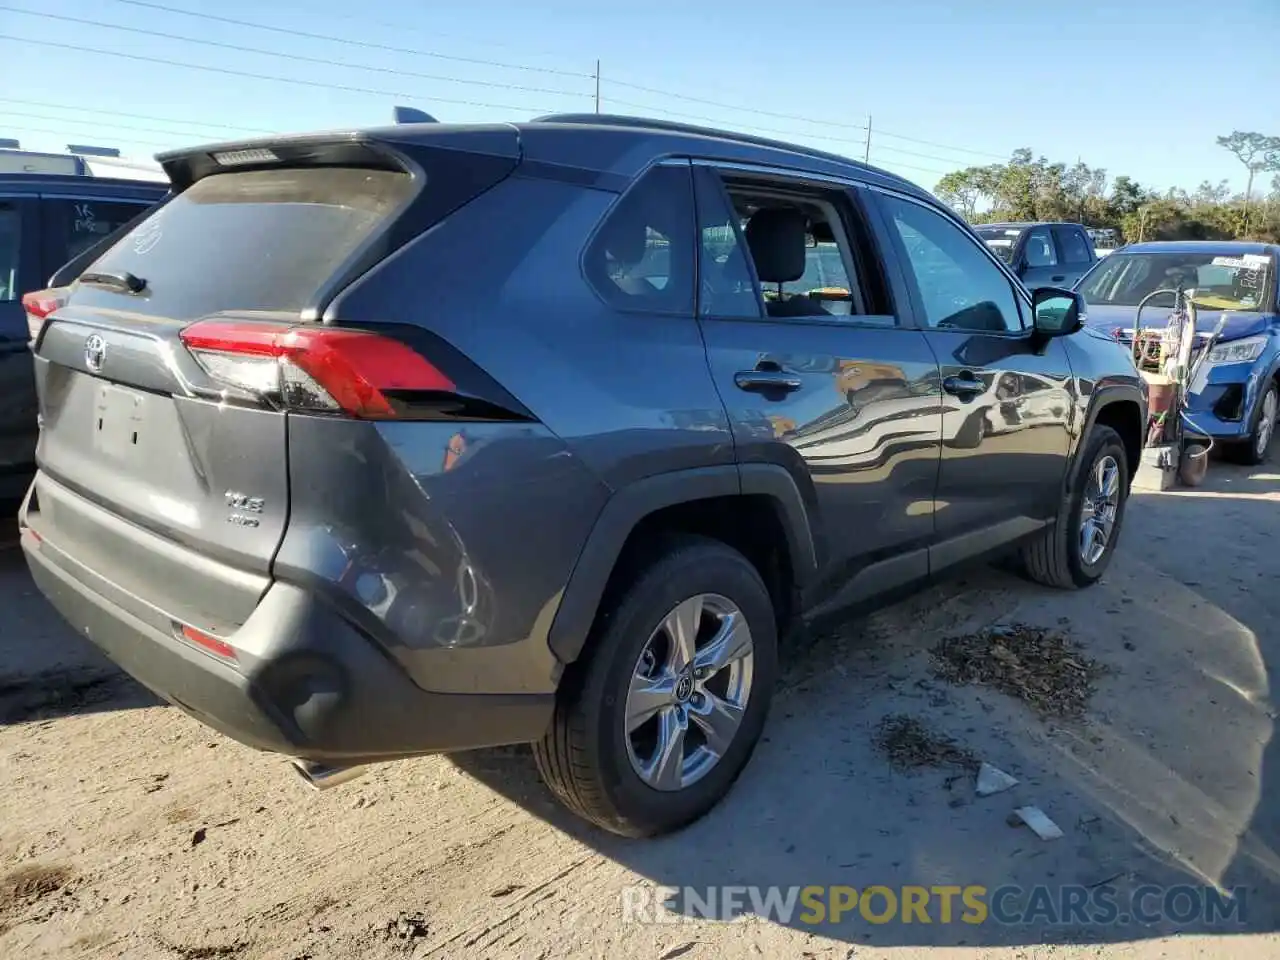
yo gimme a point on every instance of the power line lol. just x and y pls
(131, 116)
(77, 122)
(729, 106)
(316, 84)
(942, 146)
(720, 122)
(300, 58)
(63, 133)
(366, 44)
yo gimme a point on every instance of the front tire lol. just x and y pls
(654, 728)
(1077, 549)
(1254, 451)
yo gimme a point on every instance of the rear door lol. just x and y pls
(138, 436)
(1075, 253)
(20, 272)
(819, 370)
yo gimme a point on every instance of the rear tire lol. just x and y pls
(1058, 556)
(590, 758)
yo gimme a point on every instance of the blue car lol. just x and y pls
(1235, 394)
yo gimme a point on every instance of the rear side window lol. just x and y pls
(641, 257)
(1074, 247)
(265, 240)
(10, 245)
(1039, 250)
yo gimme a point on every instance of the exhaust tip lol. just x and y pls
(320, 776)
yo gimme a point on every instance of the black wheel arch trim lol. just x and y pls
(1100, 399)
(628, 506)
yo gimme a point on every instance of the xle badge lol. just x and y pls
(242, 507)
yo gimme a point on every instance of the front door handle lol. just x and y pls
(963, 386)
(767, 381)
(1061, 279)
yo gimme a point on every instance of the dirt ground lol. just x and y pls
(128, 830)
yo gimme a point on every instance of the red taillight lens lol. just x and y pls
(313, 368)
(40, 305)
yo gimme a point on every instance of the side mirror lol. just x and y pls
(1057, 312)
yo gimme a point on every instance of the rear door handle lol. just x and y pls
(765, 381)
(963, 386)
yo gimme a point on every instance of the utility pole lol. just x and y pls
(866, 154)
(597, 86)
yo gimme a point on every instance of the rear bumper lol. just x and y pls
(304, 682)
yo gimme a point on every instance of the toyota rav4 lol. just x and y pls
(436, 437)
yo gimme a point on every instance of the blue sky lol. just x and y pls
(1139, 87)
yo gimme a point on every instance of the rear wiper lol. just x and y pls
(122, 280)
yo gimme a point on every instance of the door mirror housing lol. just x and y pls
(1057, 312)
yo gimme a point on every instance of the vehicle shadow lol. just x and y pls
(46, 669)
(1172, 778)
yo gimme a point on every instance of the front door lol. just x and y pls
(820, 373)
(1008, 406)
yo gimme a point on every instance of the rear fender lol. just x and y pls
(631, 504)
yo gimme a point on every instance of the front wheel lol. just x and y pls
(1077, 549)
(652, 731)
(1254, 450)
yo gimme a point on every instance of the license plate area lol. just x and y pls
(119, 421)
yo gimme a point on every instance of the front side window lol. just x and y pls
(642, 258)
(958, 285)
(1039, 251)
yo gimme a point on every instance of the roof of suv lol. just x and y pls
(618, 145)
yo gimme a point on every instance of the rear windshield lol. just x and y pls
(254, 240)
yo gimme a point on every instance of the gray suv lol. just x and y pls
(421, 439)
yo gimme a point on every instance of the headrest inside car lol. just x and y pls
(776, 238)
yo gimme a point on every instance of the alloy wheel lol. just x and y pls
(688, 692)
(1266, 422)
(1099, 510)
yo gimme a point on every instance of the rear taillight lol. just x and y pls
(40, 305)
(313, 368)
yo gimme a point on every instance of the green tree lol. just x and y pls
(1258, 153)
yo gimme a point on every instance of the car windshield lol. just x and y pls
(1219, 281)
(1000, 240)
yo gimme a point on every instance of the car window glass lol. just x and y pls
(82, 223)
(1039, 248)
(641, 258)
(1075, 249)
(802, 251)
(959, 286)
(10, 245)
(726, 287)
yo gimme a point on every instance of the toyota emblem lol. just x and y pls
(95, 352)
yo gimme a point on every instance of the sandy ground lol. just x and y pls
(128, 830)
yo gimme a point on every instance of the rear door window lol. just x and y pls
(1074, 246)
(10, 251)
(72, 226)
(256, 240)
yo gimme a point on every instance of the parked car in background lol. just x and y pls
(420, 439)
(45, 221)
(1105, 241)
(1235, 398)
(1041, 254)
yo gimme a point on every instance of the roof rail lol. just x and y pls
(645, 123)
